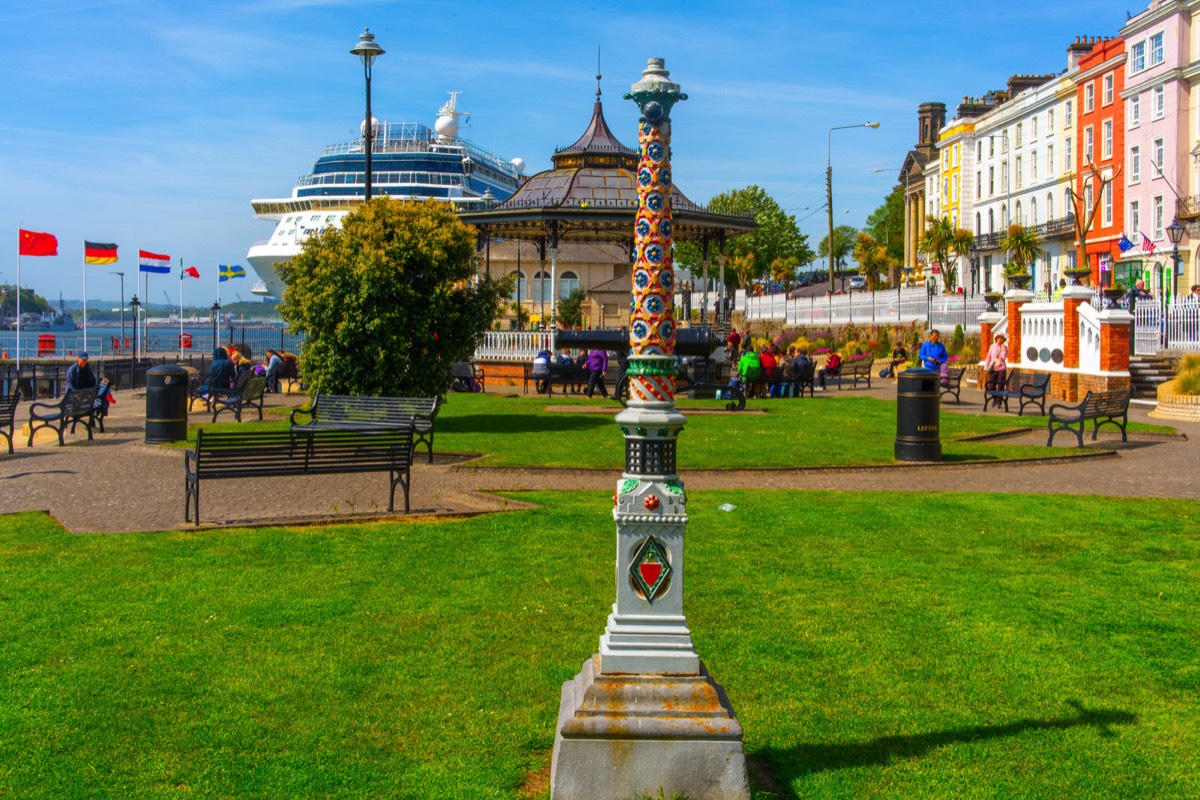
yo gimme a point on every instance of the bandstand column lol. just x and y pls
(643, 715)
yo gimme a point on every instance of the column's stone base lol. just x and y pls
(622, 736)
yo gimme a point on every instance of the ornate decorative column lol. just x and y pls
(643, 714)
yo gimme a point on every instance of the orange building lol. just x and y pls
(1100, 153)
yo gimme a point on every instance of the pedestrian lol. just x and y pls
(996, 366)
(1139, 290)
(933, 353)
(734, 343)
(597, 364)
(1194, 297)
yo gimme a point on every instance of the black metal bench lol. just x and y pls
(252, 453)
(249, 392)
(571, 377)
(8, 414)
(953, 384)
(466, 377)
(77, 407)
(1103, 408)
(1028, 387)
(854, 370)
(348, 412)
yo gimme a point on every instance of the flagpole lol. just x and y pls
(145, 305)
(85, 296)
(19, 309)
(181, 308)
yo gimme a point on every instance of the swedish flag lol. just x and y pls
(230, 271)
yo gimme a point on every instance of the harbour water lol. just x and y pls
(105, 340)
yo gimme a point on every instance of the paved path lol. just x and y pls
(119, 484)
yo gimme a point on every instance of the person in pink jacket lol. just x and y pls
(996, 365)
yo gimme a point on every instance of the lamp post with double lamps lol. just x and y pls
(829, 188)
(134, 306)
(216, 314)
(367, 51)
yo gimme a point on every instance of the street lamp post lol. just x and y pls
(134, 306)
(829, 189)
(367, 51)
(216, 313)
(121, 275)
(973, 255)
(1175, 233)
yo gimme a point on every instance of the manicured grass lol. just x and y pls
(820, 432)
(967, 646)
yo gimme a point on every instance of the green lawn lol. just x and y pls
(967, 646)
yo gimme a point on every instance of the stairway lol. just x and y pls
(1146, 373)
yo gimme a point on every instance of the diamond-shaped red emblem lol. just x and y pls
(650, 569)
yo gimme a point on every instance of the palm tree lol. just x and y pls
(946, 244)
(1023, 247)
(960, 244)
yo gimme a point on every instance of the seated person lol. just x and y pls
(80, 376)
(541, 370)
(899, 359)
(273, 365)
(832, 369)
(802, 368)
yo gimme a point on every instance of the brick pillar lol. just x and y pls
(1072, 296)
(1114, 340)
(1015, 298)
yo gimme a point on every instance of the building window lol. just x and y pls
(1108, 204)
(1020, 174)
(1089, 145)
(978, 224)
(1004, 143)
(1050, 120)
(978, 185)
(1158, 102)
(1068, 200)
(991, 221)
(1088, 199)
(540, 289)
(991, 146)
(1135, 217)
(1158, 217)
(1004, 177)
(1033, 166)
(567, 282)
(979, 151)
(1049, 206)
(1108, 91)
(1158, 153)
(991, 181)
(1068, 156)
(1135, 111)
(1033, 220)
(1089, 97)
(1137, 61)
(1004, 216)
(1020, 128)
(1156, 49)
(1068, 113)
(1135, 164)
(1108, 138)
(520, 291)
(1049, 160)
(1019, 219)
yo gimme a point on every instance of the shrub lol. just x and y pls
(957, 340)
(1188, 379)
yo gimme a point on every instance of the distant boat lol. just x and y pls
(59, 321)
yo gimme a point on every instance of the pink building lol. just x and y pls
(1158, 143)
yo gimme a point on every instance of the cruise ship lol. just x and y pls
(408, 161)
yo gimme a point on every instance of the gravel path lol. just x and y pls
(119, 484)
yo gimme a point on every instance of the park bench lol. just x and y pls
(197, 390)
(466, 377)
(1028, 387)
(8, 413)
(248, 392)
(348, 412)
(290, 371)
(253, 453)
(571, 377)
(805, 376)
(953, 383)
(854, 370)
(1103, 408)
(77, 407)
(702, 389)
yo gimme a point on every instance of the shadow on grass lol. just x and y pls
(522, 423)
(803, 759)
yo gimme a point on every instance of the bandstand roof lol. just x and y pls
(591, 195)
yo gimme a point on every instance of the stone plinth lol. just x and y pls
(625, 735)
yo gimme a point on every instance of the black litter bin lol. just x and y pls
(918, 416)
(166, 404)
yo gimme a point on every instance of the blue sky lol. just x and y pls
(153, 124)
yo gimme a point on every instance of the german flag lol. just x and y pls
(99, 253)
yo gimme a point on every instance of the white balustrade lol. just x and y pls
(513, 345)
(1089, 339)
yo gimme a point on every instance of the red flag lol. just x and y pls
(38, 244)
(191, 272)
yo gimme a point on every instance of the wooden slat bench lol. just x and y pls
(248, 393)
(1103, 408)
(77, 407)
(349, 412)
(854, 370)
(8, 414)
(252, 453)
(1028, 387)
(953, 384)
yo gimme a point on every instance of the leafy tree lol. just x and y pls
(776, 236)
(31, 302)
(783, 271)
(886, 225)
(389, 301)
(945, 244)
(960, 244)
(570, 308)
(843, 246)
(742, 268)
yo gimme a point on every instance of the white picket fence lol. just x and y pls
(1173, 326)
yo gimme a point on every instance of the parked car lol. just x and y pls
(857, 283)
